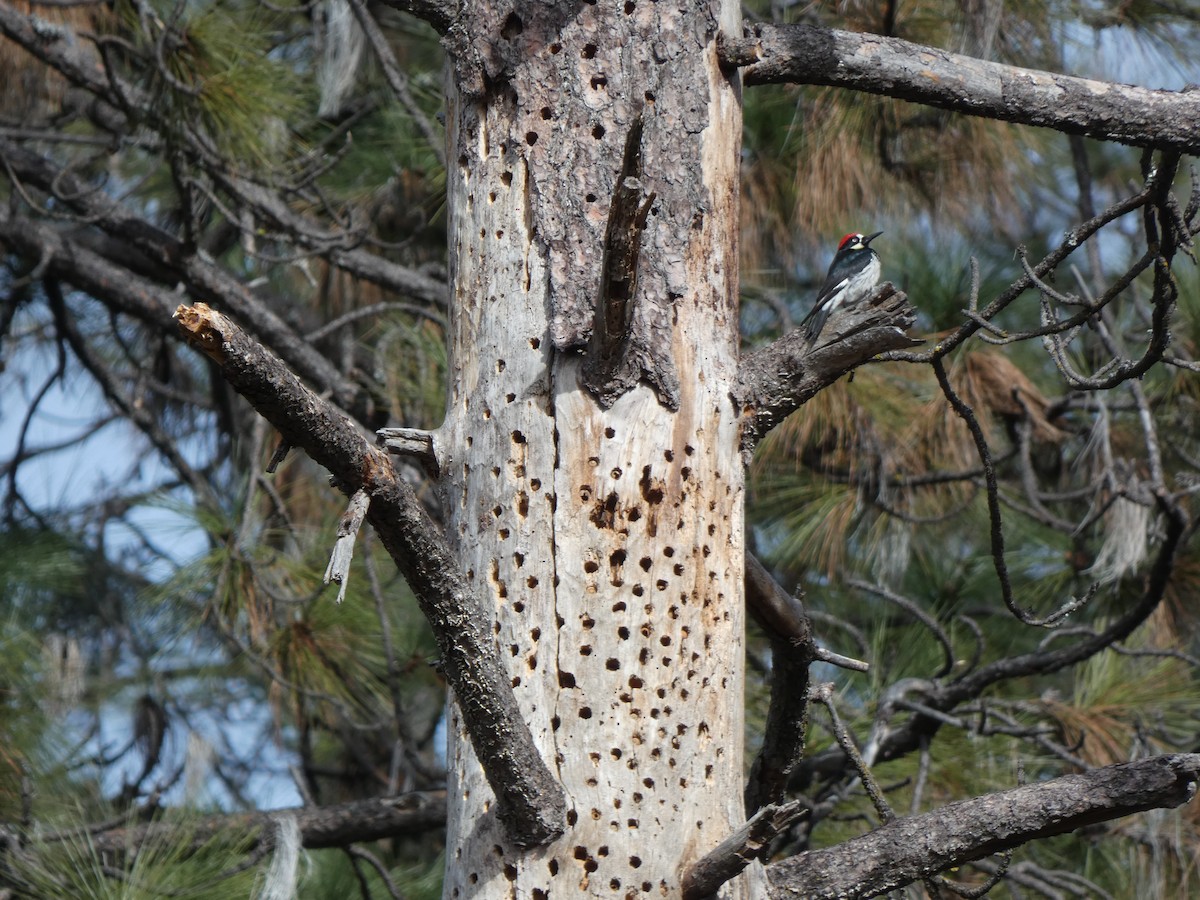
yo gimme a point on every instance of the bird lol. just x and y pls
(852, 274)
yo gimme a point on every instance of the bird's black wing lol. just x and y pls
(828, 289)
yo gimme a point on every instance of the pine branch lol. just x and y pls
(915, 847)
(808, 54)
(942, 698)
(320, 826)
(204, 277)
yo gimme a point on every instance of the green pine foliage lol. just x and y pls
(847, 488)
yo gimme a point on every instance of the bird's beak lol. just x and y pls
(871, 237)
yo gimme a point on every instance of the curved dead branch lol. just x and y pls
(531, 801)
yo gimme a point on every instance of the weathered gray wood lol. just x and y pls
(531, 807)
(609, 537)
(907, 849)
(338, 569)
(750, 842)
(415, 443)
(775, 380)
(806, 54)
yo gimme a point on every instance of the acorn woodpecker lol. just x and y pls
(852, 274)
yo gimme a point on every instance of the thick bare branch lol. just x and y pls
(774, 381)
(531, 801)
(64, 258)
(792, 652)
(918, 846)
(807, 54)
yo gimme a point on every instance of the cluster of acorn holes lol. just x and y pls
(510, 30)
(583, 855)
(513, 27)
(652, 495)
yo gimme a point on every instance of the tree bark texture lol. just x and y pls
(594, 179)
(907, 849)
(807, 54)
(531, 801)
(779, 378)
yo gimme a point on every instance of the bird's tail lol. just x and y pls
(814, 322)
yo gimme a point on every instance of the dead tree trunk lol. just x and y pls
(590, 452)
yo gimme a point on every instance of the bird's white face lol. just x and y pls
(857, 241)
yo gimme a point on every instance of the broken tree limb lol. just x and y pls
(415, 443)
(783, 617)
(750, 842)
(338, 569)
(780, 614)
(793, 650)
(776, 380)
(531, 802)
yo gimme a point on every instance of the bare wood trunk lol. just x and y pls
(609, 538)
